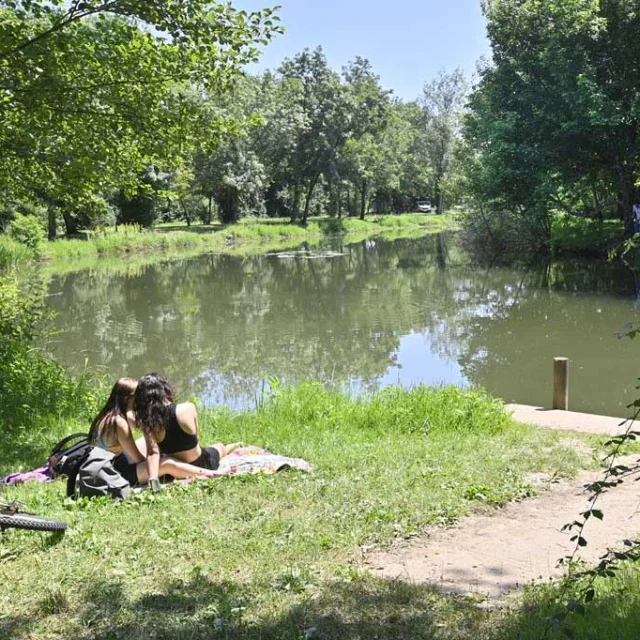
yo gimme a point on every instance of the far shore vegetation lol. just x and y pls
(251, 235)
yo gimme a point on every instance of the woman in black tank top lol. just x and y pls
(174, 427)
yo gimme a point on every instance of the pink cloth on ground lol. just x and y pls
(43, 474)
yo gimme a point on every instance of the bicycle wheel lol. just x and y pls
(26, 521)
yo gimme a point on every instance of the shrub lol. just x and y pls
(12, 252)
(28, 231)
(33, 387)
(584, 236)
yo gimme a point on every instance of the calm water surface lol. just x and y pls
(383, 312)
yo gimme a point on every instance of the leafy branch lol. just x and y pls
(614, 475)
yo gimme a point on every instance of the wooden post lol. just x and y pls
(561, 384)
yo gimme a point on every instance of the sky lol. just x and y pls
(407, 41)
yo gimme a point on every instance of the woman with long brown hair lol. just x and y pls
(111, 430)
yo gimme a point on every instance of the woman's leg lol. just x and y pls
(175, 469)
(225, 450)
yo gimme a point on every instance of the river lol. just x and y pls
(370, 314)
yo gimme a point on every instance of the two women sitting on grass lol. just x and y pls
(170, 444)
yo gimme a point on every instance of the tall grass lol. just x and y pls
(13, 253)
(125, 240)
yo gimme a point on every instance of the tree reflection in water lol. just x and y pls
(385, 311)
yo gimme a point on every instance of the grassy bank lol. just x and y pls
(614, 614)
(585, 237)
(273, 557)
(249, 235)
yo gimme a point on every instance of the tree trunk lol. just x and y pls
(339, 200)
(363, 199)
(295, 211)
(627, 201)
(209, 209)
(439, 199)
(307, 203)
(51, 222)
(187, 217)
(70, 224)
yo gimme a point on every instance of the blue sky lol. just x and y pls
(407, 41)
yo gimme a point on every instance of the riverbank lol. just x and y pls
(573, 236)
(251, 235)
(279, 557)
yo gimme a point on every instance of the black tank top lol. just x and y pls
(176, 439)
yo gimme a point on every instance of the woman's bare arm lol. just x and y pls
(126, 441)
(153, 458)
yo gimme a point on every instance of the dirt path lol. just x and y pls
(506, 549)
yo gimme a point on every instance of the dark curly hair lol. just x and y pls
(154, 394)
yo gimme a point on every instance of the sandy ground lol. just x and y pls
(497, 552)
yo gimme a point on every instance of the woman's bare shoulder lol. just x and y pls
(122, 426)
(187, 414)
(186, 408)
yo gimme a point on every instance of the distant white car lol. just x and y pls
(424, 206)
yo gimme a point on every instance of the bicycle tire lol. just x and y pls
(34, 523)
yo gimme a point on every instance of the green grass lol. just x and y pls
(250, 234)
(272, 557)
(579, 236)
(542, 612)
(13, 253)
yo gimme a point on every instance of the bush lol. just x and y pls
(584, 236)
(488, 231)
(12, 253)
(28, 231)
(33, 387)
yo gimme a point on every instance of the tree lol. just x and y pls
(234, 176)
(320, 104)
(234, 173)
(555, 117)
(416, 170)
(442, 102)
(95, 99)
(366, 150)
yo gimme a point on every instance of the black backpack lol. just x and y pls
(68, 456)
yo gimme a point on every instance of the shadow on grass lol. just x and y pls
(26, 453)
(360, 609)
(614, 615)
(201, 608)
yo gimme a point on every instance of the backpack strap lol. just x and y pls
(65, 441)
(74, 471)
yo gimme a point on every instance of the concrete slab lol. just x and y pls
(568, 420)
